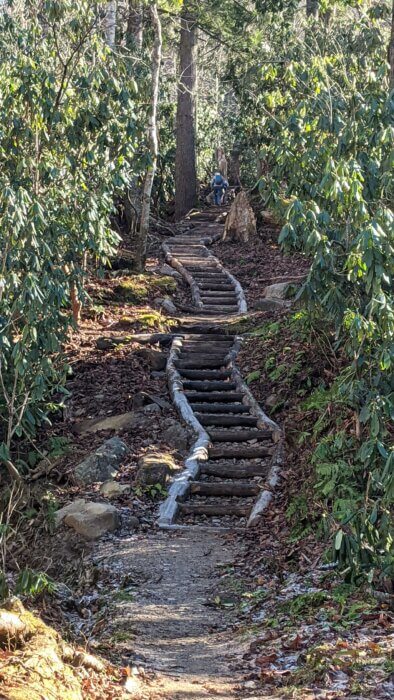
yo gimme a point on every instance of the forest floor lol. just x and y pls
(179, 615)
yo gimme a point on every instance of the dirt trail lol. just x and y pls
(177, 630)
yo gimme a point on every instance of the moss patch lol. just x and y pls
(138, 288)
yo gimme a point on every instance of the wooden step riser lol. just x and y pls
(214, 510)
(238, 435)
(192, 355)
(211, 286)
(208, 396)
(199, 363)
(224, 420)
(209, 386)
(232, 471)
(223, 490)
(205, 374)
(219, 408)
(222, 302)
(244, 452)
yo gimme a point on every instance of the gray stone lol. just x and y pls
(151, 409)
(113, 489)
(92, 520)
(175, 434)
(102, 464)
(168, 270)
(168, 306)
(271, 305)
(73, 507)
(155, 469)
(118, 422)
(281, 290)
(156, 359)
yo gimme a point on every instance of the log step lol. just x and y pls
(240, 489)
(209, 336)
(209, 385)
(223, 420)
(208, 396)
(186, 354)
(219, 311)
(230, 470)
(221, 300)
(219, 407)
(238, 435)
(215, 286)
(205, 374)
(197, 363)
(239, 452)
(213, 509)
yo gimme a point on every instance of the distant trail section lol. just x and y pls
(234, 463)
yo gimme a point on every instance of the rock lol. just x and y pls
(118, 422)
(175, 434)
(73, 507)
(168, 270)
(12, 628)
(156, 359)
(151, 409)
(281, 290)
(168, 306)
(155, 469)
(92, 520)
(112, 489)
(271, 305)
(271, 400)
(102, 464)
(132, 522)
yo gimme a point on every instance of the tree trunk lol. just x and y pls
(312, 8)
(110, 23)
(185, 160)
(135, 24)
(241, 222)
(391, 52)
(152, 140)
(234, 176)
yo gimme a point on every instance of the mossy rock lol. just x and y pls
(138, 288)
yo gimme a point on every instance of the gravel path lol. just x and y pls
(176, 629)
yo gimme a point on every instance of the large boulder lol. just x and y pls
(281, 290)
(271, 305)
(175, 434)
(102, 464)
(155, 468)
(91, 520)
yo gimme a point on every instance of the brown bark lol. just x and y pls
(135, 24)
(391, 51)
(241, 222)
(185, 160)
(234, 176)
(140, 248)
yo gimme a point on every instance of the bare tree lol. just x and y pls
(140, 251)
(110, 23)
(391, 51)
(185, 159)
(135, 23)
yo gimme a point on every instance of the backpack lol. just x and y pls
(218, 180)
